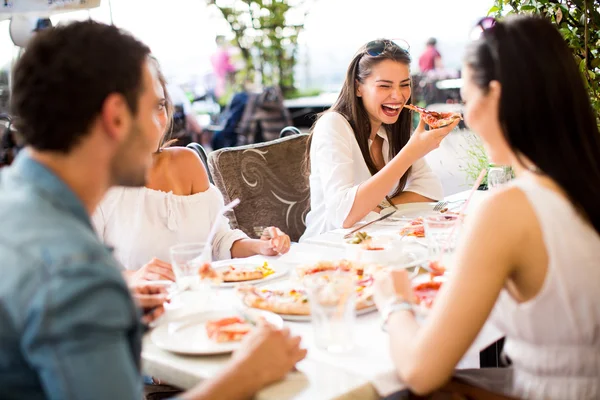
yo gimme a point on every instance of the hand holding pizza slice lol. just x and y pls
(433, 118)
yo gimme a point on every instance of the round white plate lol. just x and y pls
(279, 268)
(188, 334)
(408, 211)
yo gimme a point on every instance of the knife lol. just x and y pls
(353, 231)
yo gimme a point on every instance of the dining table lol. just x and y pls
(365, 372)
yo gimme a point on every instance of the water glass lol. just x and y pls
(498, 176)
(441, 233)
(332, 298)
(186, 260)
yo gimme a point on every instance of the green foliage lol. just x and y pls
(267, 40)
(475, 159)
(579, 23)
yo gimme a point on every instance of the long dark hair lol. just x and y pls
(165, 140)
(351, 107)
(545, 110)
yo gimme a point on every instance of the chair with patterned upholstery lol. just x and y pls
(271, 182)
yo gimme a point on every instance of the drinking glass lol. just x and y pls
(186, 260)
(498, 176)
(441, 233)
(332, 299)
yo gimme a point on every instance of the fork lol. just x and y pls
(440, 205)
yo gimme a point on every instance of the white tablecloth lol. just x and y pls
(364, 373)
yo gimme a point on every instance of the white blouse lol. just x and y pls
(142, 223)
(338, 168)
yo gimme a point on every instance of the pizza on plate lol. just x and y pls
(426, 292)
(230, 329)
(241, 274)
(433, 118)
(414, 228)
(235, 274)
(326, 266)
(295, 301)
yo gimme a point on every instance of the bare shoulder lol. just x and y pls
(188, 166)
(506, 211)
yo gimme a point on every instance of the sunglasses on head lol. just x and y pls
(377, 47)
(483, 25)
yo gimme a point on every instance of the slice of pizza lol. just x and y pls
(242, 274)
(426, 292)
(206, 271)
(287, 302)
(325, 266)
(230, 329)
(414, 228)
(433, 118)
(435, 269)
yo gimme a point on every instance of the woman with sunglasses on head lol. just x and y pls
(361, 151)
(177, 205)
(529, 256)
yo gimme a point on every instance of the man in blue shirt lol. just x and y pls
(85, 101)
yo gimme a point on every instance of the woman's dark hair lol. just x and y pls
(545, 110)
(165, 140)
(351, 107)
(63, 78)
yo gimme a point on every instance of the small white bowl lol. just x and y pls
(382, 250)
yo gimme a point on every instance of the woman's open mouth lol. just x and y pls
(391, 110)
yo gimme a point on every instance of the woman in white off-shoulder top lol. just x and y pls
(362, 154)
(529, 255)
(177, 205)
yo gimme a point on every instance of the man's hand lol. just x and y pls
(270, 352)
(150, 299)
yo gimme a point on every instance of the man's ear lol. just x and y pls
(115, 117)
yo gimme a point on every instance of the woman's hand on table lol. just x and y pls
(150, 298)
(274, 242)
(154, 270)
(270, 353)
(422, 141)
(390, 285)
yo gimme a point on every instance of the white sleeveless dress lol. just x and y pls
(553, 340)
(142, 223)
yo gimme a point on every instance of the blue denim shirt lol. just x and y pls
(68, 326)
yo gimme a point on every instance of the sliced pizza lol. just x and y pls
(414, 228)
(326, 266)
(287, 302)
(426, 292)
(435, 269)
(231, 329)
(206, 271)
(433, 118)
(295, 301)
(242, 274)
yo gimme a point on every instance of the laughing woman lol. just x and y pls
(361, 151)
(529, 257)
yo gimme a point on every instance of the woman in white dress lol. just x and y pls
(361, 151)
(529, 256)
(177, 205)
